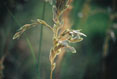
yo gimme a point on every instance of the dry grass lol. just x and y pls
(62, 34)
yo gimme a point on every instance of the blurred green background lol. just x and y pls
(96, 56)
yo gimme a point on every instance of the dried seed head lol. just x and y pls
(28, 26)
(61, 36)
(59, 6)
(22, 30)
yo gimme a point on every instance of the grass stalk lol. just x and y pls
(31, 49)
(41, 38)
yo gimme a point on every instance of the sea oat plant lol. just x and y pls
(61, 37)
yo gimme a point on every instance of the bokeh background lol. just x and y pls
(96, 56)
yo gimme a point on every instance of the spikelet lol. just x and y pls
(28, 26)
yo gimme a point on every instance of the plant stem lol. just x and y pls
(51, 73)
(41, 36)
(31, 49)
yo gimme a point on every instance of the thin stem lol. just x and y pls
(31, 49)
(41, 36)
(51, 73)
